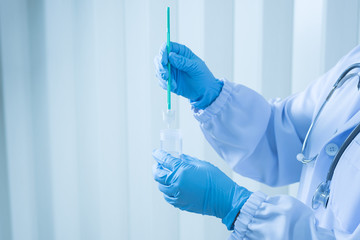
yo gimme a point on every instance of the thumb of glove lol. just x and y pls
(181, 63)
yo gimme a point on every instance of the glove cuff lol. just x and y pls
(241, 195)
(211, 93)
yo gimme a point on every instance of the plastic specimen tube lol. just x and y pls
(171, 141)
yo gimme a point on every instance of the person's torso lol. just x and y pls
(338, 118)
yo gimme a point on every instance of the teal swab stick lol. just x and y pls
(168, 65)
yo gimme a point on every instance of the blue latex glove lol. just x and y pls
(198, 186)
(191, 78)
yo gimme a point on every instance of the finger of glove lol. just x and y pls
(161, 71)
(161, 175)
(188, 158)
(171, 200)
(163, 55)
(181, 50)
(165, 159)
(163, 83)
(168, 190)
(182, 63)
(162, 74)
(177, 48)
(193, 161)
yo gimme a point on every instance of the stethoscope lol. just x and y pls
(322, 193)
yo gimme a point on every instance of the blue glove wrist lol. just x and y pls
(241, 195)
(211, 93)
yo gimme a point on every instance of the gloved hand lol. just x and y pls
(198, 186)
(190, 77)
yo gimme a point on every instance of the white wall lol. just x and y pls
(80, 108)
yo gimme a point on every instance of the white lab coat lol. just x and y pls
(261, 139)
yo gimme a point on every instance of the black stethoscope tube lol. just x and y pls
(343, 147)
(350, 68)
(322, 194)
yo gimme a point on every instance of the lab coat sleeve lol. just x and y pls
(257, 138)
(281, 217)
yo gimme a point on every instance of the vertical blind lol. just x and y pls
(80, 107)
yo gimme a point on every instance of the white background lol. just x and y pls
(80, 107)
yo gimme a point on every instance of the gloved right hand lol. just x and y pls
(190, 77)
(198, 186)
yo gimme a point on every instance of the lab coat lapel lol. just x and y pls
(352, 122)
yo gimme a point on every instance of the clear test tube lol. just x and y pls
(171, 141)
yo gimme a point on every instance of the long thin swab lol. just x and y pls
(168, 65)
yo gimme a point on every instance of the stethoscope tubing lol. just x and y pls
(339, 82)
(322, 193)
(342, 149)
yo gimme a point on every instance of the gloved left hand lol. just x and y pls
(198, 186)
